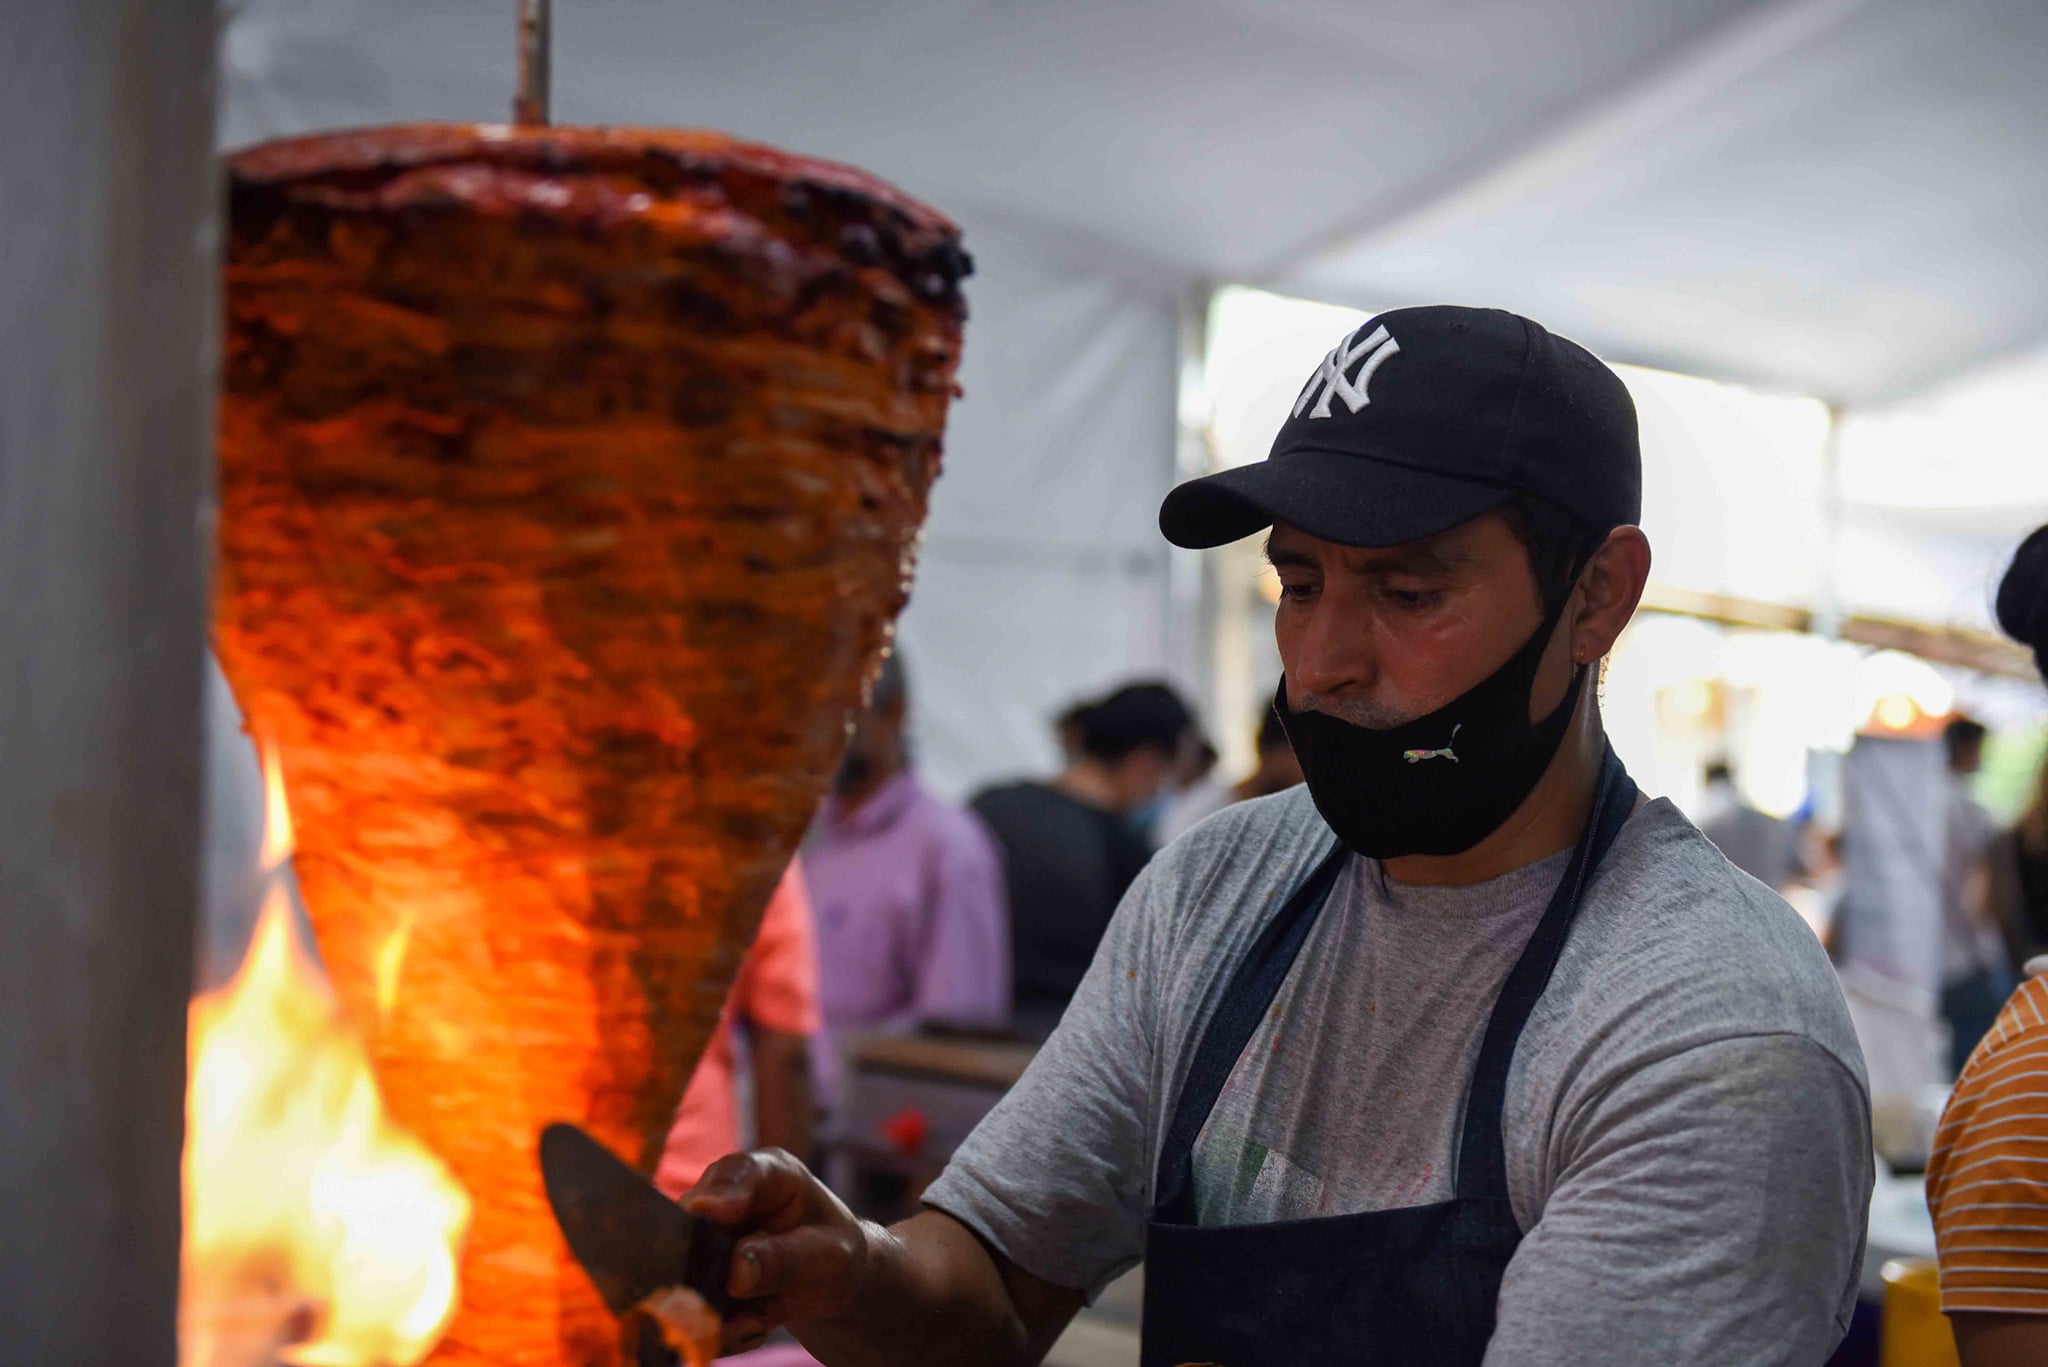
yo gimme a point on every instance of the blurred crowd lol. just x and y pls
(1933, 918)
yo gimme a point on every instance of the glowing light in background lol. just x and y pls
(1896, 691)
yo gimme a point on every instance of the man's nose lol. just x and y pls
(1334, 652)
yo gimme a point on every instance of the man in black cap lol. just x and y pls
(1460, 1053)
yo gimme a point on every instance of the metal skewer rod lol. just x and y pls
(530, 108)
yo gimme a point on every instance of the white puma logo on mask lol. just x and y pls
(1417, 756)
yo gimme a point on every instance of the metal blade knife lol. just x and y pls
(632, 1240)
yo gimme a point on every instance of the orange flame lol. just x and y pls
(317, 1232)
(278, 842)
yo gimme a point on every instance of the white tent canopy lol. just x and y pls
(1820, 197)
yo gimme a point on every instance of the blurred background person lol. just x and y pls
(1887, 930)
(1202, 792)
(1275, 769)
(1278, 767)
(912, 922)
(1763, 846)
(1070, 847)
(774, 999)
(1190, 778)
(1975, 974)
(1987, 1180)
(1066, 730)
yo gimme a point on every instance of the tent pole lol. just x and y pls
(1827, 609)
(1190, 625)
(1825, 771)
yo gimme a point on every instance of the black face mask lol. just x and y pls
(1442, 783)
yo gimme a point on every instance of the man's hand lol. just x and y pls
(858, 1295)
(803, 1253)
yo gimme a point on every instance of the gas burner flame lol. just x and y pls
(317, 1232)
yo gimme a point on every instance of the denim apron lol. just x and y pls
(1414, 1286)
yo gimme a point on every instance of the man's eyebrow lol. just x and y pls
(1284, 556)
(1435, 555)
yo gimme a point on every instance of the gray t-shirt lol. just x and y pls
(1687, 1125)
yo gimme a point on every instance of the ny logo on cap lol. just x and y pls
(1332, 376)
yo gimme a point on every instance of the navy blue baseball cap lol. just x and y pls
(1421, 419)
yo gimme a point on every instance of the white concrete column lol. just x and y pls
(107, 288)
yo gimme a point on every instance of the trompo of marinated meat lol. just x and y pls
(570, 483)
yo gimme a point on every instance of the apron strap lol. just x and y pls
(1482, 1152)
(1244, 1004)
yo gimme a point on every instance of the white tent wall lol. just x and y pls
(1043, 576)
(1937, 490)
(1889, 565)
(1734, 488)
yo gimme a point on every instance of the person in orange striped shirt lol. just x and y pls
(1987, 1181)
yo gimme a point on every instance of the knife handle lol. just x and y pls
(709, 1264)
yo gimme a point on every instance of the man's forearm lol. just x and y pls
(930, 1293)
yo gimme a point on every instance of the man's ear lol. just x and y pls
(1609, 589)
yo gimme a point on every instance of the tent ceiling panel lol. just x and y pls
(1856, 217)
(1214, 135)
